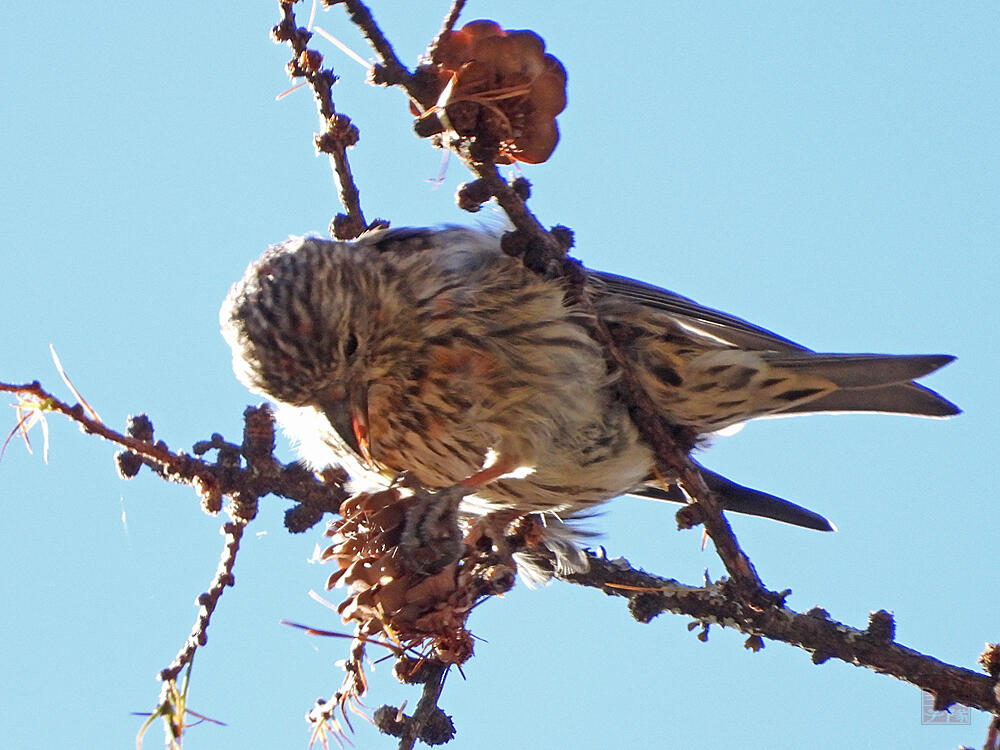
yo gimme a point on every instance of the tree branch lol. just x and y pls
(339, 134)
(262, 475)
(814, 631)
(361, 17)
(449, 23)
(207, 601)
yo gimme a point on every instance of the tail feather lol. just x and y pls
(906, 398)
(740, 499)
(866, 383)
(861, 370)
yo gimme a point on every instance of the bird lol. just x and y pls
(430, 351)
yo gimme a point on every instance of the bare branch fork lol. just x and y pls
(261, 475)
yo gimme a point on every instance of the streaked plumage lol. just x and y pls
(432, 349)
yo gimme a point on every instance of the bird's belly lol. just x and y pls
(558, 468)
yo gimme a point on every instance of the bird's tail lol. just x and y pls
(867, 383)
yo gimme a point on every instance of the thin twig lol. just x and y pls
(338, 133)
(263, 475)
(394, 71)
(446, 28)
(207, 601)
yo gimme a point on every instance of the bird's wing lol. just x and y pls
(689, 314)
(701, 321)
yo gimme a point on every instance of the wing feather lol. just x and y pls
(706, 321)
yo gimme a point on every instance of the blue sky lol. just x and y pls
(830, 173)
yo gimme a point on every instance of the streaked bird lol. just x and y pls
(433, 352)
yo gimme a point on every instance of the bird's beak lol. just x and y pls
(349, 417)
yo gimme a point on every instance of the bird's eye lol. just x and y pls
(350, 345)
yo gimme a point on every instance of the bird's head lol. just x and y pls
(303, 324)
